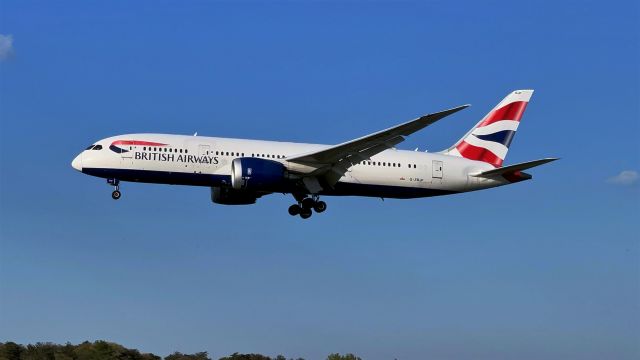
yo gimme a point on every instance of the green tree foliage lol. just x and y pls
(10, 351)
(99, 350)
(104, 350)
(180, 356)
(236, 356)
(337, 356)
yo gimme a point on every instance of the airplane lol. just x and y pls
(239, 171)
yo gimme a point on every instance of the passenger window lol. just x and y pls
(227, 153)
(186, 151)
(242, 154)
(414, 166)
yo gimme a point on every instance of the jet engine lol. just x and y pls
(257, 175)
(227, 196)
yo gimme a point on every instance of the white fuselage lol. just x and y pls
(206, 161)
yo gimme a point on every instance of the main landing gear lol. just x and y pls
(305, 205)
(116, 194)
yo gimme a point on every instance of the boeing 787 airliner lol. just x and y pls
(240, 171)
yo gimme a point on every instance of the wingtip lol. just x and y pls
(461, 107)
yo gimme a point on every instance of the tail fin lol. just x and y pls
(489, 140)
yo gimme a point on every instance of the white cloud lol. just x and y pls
(6, 46)
(626, 177)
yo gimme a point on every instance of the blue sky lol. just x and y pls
(543, 269)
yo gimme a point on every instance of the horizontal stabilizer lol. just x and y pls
(513, 172)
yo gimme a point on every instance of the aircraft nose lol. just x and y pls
(77, 162)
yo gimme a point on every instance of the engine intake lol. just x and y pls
(257, 174)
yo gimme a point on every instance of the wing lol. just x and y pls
(331, 163)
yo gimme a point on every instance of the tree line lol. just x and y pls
(104, 350)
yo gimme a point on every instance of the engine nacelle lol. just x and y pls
(257, 174)
(227, 196)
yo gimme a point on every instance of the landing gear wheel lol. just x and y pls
(116, 194)
(308, 203)
(305, 213)
(294, 210)
(320, 206)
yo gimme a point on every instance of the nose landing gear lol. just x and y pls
(116, 194)
(305, 206)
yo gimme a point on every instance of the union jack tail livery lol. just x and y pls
(489, 140)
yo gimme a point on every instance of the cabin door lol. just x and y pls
(436, 169)
(127, 155)
(203, 157)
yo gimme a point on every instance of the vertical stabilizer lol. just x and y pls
(489, 140)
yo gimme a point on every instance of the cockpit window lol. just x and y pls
(90, 147)
(97, 147)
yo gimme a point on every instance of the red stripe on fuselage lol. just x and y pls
(137, 142)
(512, 111)
(477, 153)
